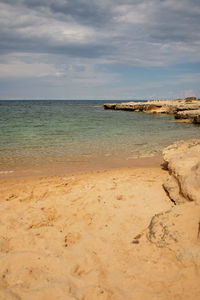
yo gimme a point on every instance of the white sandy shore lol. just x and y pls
(85, 237)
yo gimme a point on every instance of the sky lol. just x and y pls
(99, 49)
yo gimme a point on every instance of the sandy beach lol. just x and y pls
(99, 150)
(85, 236)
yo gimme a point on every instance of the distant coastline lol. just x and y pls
(187, 109)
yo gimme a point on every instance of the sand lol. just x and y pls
(84, 236)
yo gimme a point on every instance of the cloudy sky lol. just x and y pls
(99, 49)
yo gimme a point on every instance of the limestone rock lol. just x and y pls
(188, 99)
(161, 231)
(156, 106)
(170, 152)
(128, 106)
(188, 106)
(109, 105)
(196, 119)
(193, 115)
(172, 188)
(176, 228)
(183, 159)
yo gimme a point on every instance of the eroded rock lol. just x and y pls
(183, 160)
(187, 109)
(109, 105)
(193, 115)
(173, 190)
(176, 228)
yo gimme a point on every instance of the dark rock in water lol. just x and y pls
(109, 105)
(196, 119)
(193, 115)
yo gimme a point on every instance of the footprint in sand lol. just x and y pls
(88, 218)
(99, 198)
(78, 270)
(47, 218)
(4, 245)
(11, 197)
(71, 239)
(120, 197)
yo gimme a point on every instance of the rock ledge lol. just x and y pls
(185, 109)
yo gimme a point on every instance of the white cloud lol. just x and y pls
(21, 69)
(138, 13)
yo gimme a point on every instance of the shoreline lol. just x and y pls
(59, 169)
(113, 233)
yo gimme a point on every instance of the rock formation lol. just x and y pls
(188, 108)
(178, 229)
(188, 99)
(192, 115)
(183, 159)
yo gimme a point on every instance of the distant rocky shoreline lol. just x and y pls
(187, 110)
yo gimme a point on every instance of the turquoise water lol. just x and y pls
(34, 132)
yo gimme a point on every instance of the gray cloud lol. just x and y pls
(112, 24)
(85, 33)
(177, 22)
(92, 12)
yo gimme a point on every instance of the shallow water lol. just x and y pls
(34, 132)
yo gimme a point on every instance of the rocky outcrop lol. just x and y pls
(183, 182)
(182, 109)
(192, 115)
(188, 99)
(178, 228)
(187, 106)
(196, 119)
(109, 105)
(133, 106)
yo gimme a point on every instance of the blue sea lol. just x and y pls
(37, 132)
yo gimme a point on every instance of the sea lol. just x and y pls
(50, 132)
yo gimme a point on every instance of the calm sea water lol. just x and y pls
(34, 132)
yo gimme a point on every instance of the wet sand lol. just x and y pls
(75, 167)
